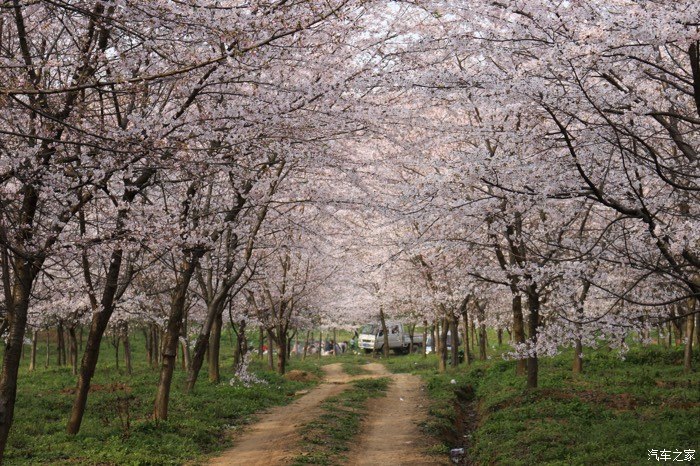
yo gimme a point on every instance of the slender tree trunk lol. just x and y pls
(385, 331)
(214, 349)
(442, 361)
(454, 335)
(281, 350)
(32, 359)
(147, 339)
(425, 338)
(483, 341)
(48, 348)
(320, 343)
(436, 339)
(533, 322)
(72, 338)
(519, 331)
(306, 344)
(261, 342)
(13, 351)
(100, 319)
(270, 356)
(578, 359)
(60, 344)
(127, 348)
(172, 335)
(688, 355)
(499, 335)
(241, 347)
(115, 343)
(465, 335)
(335, 341)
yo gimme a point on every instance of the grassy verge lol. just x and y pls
(117, 428)
(612, 414)
(326, 439)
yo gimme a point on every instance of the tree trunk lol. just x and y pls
(454, 334)
(499, 335)
(533, 300)
(270, 356)
(465, 335)
(281, 340)
(688, 355)
(172, 335)
(433, 337)
(48, 348)
(385, 331)
(60, 344)
(13, 351)
(442, 361)
(306, 344)
(214, 349)
(320, 342)
(335, 341)
(482, 341)
(72, 337)
(98, 325)
(425, 338)
(261, 342)
(519, 331)
(115, 343)
(32, 359)
(127, 348)
(578, 360)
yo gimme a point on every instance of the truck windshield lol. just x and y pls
(369, 329)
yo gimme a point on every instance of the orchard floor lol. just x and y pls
(389, 436)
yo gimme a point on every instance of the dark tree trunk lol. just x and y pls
(499, 335)
(48, 348)
(519, 331)
(454, 334)
(72, 338)
(127, 348)
(214, 348)
(425, 338)
(32, 359)
(385, 332)
(270, 356)
(13, 353)
(442, 361)
(261, 342)
(98, 326)
(172, 335)
(281, 340)
(306, 344)
(533, 300)
(688, 354)
(60, 344)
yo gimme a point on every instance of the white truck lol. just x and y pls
(372, 338)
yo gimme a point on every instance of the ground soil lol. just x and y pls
(391, 435)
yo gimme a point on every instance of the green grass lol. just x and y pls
(611, 414)
(325, 440)
(198, 422)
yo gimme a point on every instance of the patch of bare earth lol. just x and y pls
(274, 439)
(391, 436)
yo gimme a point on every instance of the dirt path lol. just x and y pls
(391, 434)
(390, 437)
(274, 439)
